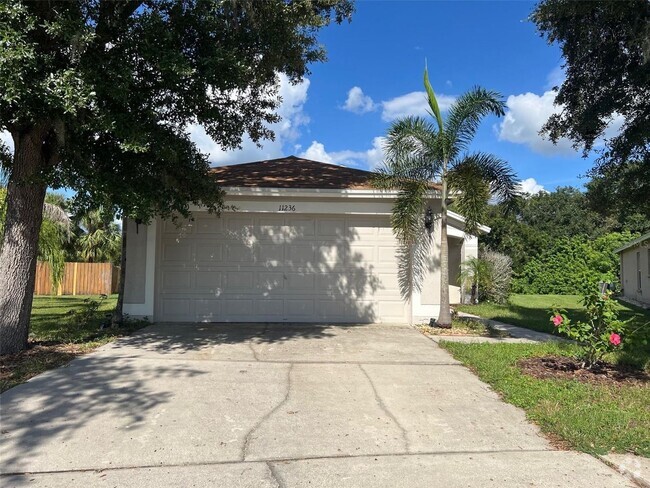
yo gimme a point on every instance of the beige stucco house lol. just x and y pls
(306, 242)
(635, 269)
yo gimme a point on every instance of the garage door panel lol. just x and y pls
(299, 308)
(238, 307)
(301, 228)
(273, 309)
(174, 279)
(270, 254)
(176, 308)
(239, 280)
(208, 226)
(300, 282)
(260, 267)
(331, 228)
(177, 251)
(211, 281)
(271, 281)
(208, 309)
(239, 253)
(209, 252)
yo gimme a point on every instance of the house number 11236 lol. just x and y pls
(286, 208)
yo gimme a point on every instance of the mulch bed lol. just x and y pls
(568, 368)
(17, 368)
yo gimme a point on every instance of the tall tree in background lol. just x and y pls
(98, 96)
(100, 239)
(419, 153)
(606, 49)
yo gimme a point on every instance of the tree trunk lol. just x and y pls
(24, 215)
(444, 317)
(118, 315)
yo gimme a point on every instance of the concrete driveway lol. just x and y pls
(275, 406)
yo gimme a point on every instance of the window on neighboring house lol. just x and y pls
(638, 270)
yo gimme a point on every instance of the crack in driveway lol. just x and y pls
(248, 437)
(383, 406)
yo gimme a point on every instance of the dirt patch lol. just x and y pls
(39, 357)
(568, 368)
(475, 329)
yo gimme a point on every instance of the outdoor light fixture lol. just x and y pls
(428, 219)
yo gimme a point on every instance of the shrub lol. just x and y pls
(572, 265)
(488, 276)
(500, 276)
(599, 334)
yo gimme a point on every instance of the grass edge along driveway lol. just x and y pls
(594, 419)
(532, 312)
(62, 328)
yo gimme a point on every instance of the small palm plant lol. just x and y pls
(476, 274)
(432, 158)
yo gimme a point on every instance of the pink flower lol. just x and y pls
(615, 339)
(557, 320)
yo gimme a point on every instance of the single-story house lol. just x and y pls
(306, 242)
(635, 269)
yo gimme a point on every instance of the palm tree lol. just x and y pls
(101, 238)
(420, 153)
(54, 233)
(477, 274)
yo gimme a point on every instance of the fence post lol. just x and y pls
(74, 279)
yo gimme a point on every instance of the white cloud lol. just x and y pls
(530, 186)
(414, 103)
(293, 117)
(8, 141)
(369, 159)
(525, 117)
(358, 102)
(555, 78)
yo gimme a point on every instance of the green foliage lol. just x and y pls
(531, 312)
(88, 314)
(571, 265)
(53, 235)
(606, 59)
(590, 418)
(112, 90)
(597, 335)
(419, 152)
(620, 195)
(476, 275)
(100, 239)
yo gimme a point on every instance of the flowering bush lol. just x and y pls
(601, 332)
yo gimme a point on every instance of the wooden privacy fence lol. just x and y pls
(78, 279)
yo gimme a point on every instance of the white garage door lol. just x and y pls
(278, 268)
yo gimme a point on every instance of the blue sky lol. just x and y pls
(340, 112)
(382, 53)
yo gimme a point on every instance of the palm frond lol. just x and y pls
(476, 177)
(56, 214)
(407, 218)
(413, 263)
(465, 116)
(433, 101)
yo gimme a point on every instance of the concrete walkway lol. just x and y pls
(276, 406)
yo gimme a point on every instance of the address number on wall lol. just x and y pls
(286, 208)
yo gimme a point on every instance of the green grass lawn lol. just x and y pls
(532, 312)
(590, 418)
(62, 327)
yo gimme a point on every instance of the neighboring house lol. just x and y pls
(307, 242)
(635, 269)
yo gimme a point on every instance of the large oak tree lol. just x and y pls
(98, 96)
(606, 51)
